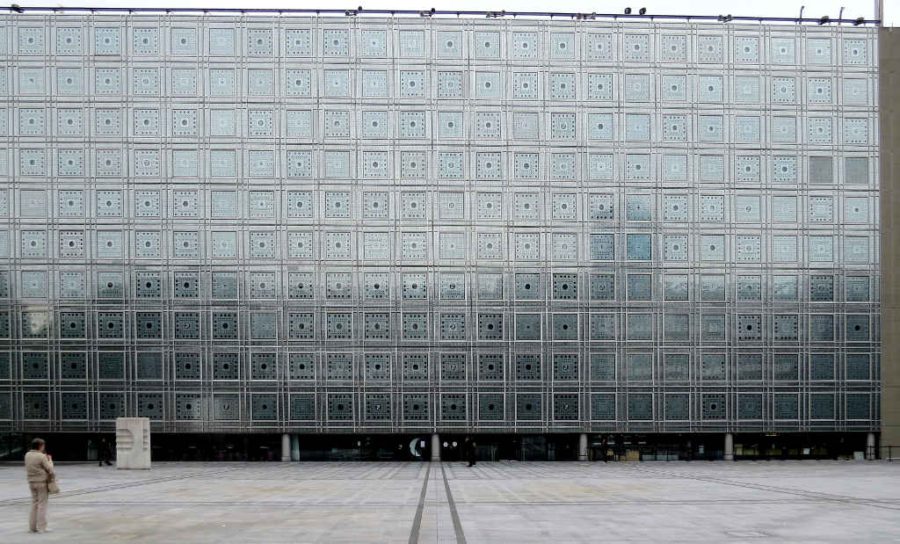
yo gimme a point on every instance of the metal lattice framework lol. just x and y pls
(335, 224)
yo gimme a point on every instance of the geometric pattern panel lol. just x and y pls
(405, 224)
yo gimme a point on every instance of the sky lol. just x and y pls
(756, 8)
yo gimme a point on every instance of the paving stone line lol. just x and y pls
(234, 504)
(115, 487)
(796, 492)
(457, 525)
(417, 520)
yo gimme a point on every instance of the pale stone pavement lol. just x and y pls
(508, 502)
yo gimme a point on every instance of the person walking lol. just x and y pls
(104, 453)
(39, 469)
(470, 451)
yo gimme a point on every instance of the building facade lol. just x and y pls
(364, 225)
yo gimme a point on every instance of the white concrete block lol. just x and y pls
(133, 443)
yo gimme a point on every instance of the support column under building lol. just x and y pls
(285, 448)
(583, 447)
(295, 447)
(435, 447)
(870, 446)
(729, 447)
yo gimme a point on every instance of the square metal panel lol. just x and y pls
(453, 366)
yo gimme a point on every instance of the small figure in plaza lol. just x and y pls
(104, 453)
(470, 447)
(42, 481)
(604, 449)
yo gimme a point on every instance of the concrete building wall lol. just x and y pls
(889, 113)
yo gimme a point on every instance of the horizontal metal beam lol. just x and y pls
(578, 16)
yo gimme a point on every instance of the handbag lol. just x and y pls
(52, 485)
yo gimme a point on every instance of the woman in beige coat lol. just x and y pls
(39, 468)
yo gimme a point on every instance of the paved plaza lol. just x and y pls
(447, 502)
